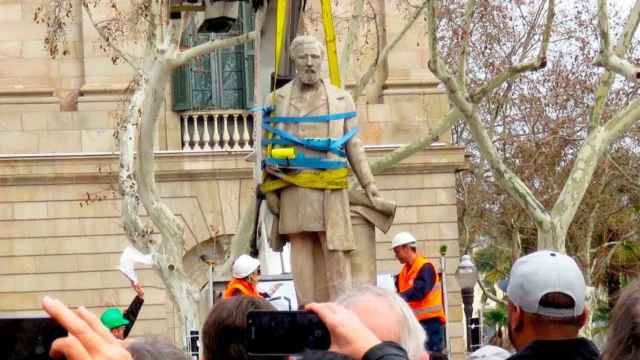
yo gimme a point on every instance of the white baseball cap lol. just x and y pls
(402, 238)
(543, 272)
(489, 352)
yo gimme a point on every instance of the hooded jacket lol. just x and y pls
(571, 349)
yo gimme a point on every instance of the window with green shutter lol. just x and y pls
(222, 79)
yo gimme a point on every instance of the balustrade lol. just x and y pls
(213, 130)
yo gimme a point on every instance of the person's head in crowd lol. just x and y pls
(438, 356)
(623, 342)
(489, 352)
(404, 248)
(546, 292)
(154, 348)
(114, 320)
(398, 324)
(247, 268)
(223, 333)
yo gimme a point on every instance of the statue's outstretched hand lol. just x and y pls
(372, 193)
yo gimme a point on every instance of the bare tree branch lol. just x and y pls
(490, 295)
(512, 184)
(241, 240)
(129, 60)
(368, 74)
(184, 23)
(402, 153)
(352, 35)
(630, 179)
(604, 86)
(622, 121)
(629, 30)
(607, 58)
(619, 66)
(599, 138)
(466, 36)
(136, 231)
(603, 26)
(539, 62)
(185, 56)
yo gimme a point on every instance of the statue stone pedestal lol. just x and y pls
(363, 258)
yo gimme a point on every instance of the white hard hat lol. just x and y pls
(244, 266)
(402, 238)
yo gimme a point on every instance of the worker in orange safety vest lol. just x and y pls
(245, 272)
(419, 285)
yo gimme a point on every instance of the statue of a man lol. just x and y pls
(312, 202)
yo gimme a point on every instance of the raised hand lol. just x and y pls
(349, 336)
(137, 287)
(88, 339)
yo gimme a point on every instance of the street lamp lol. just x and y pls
(467, 276)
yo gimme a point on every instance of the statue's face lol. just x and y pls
(308, 61)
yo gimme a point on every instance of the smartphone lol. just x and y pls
(28, 337)
(275, 333)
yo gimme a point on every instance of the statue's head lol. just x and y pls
(307, 53)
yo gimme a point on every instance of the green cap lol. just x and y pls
(112, 318)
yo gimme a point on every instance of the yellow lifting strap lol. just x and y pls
(281, 17)
(332, 179)
(330, 38)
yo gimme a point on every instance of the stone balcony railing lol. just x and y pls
(216, 130)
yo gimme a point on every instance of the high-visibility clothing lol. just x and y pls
(430, 306)
(241, 286)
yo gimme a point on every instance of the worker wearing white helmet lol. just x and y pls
(245, 272)
(419, 285)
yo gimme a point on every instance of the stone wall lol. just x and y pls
(57, 147)
(56, 242)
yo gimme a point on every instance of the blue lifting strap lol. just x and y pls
(264, 109)
(322, 144)
(313, 118)
(306, 163)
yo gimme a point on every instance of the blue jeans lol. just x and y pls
(435, 334)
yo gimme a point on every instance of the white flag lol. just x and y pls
(129, 257)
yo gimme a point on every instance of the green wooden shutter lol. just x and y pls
(201, 77)
(222, 79)
(181, 86)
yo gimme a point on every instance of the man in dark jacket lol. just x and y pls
(546, 292)
(120, 324)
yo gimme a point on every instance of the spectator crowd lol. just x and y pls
(547, 307)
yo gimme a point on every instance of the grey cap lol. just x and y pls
(489, 352)
(542, 272)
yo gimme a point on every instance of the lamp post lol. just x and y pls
(467, 276)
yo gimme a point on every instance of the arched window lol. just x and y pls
(222, 79)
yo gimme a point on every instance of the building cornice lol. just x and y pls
(85, 168)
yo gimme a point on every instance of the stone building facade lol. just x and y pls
(59, 206)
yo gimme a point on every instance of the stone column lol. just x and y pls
(67, 71)
(408, 61)
(414, 103)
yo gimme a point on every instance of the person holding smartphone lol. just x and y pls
(89, 340)
(119, 323)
